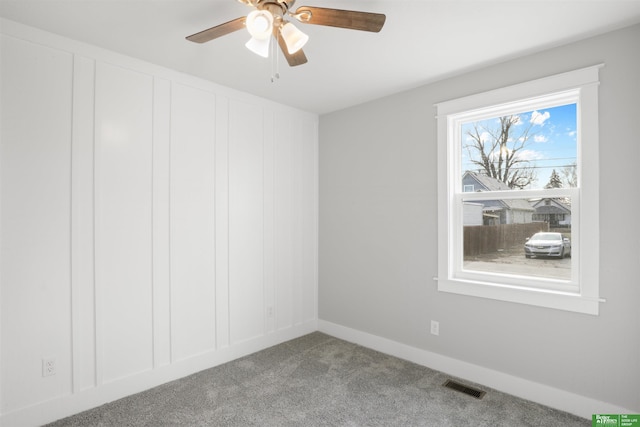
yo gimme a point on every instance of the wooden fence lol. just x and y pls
(484, 239)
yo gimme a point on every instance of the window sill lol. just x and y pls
(537, 297)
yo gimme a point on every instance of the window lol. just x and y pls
(529, 153)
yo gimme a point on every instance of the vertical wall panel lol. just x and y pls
(222, 222)
(269, 221)
(123, 221)
(82, 217)
(161, 256)
(35, 155)
(298, 237)
(284, 220)
(192, 221)
(246, 204)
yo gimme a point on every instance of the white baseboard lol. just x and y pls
(64, 406)
(45, 412)
(581, 406)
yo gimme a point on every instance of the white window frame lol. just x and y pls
(581, 293)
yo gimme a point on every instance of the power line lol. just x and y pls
(529, 167)
(549, 159)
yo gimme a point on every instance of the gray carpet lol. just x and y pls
(318, 380)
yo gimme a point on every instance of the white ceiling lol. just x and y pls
(422, 41)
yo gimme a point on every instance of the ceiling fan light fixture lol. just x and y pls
(260, 24)
(259, 46)
(269, 19)
(293, 37)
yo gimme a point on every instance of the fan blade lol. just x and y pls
(218, 31)
(294, 59)
(353, 20)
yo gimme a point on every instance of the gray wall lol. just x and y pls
(378, 233)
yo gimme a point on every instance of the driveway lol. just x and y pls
(513, 261)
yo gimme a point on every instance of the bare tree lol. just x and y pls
(497, 151)
(570, 175)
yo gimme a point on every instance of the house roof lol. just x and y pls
(554, 206)
(487, 182)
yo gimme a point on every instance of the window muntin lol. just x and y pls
(577, 289)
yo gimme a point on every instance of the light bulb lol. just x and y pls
(260, 24)
(259, 46)
(293, 37)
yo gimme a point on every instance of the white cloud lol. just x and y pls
(538, 118)
(540, 138)
(530, 155)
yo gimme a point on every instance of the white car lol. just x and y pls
(547, 244)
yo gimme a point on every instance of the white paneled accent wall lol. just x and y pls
(152, 225)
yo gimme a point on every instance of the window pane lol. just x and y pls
(518, 236)
(530, 150)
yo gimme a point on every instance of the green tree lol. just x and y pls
(554, 180)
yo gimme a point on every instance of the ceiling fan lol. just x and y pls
(269, 18)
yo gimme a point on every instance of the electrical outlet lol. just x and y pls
(48, 366)
(435, 327)
(269, 311)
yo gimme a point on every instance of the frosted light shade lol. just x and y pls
(259, 46)
(293, 37)
(260, 24)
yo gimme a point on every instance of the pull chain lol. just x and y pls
(275, 75)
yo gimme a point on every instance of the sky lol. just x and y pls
(551, 144)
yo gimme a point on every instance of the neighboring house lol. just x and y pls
(472, 213)
(494, 212)
(553, 211)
